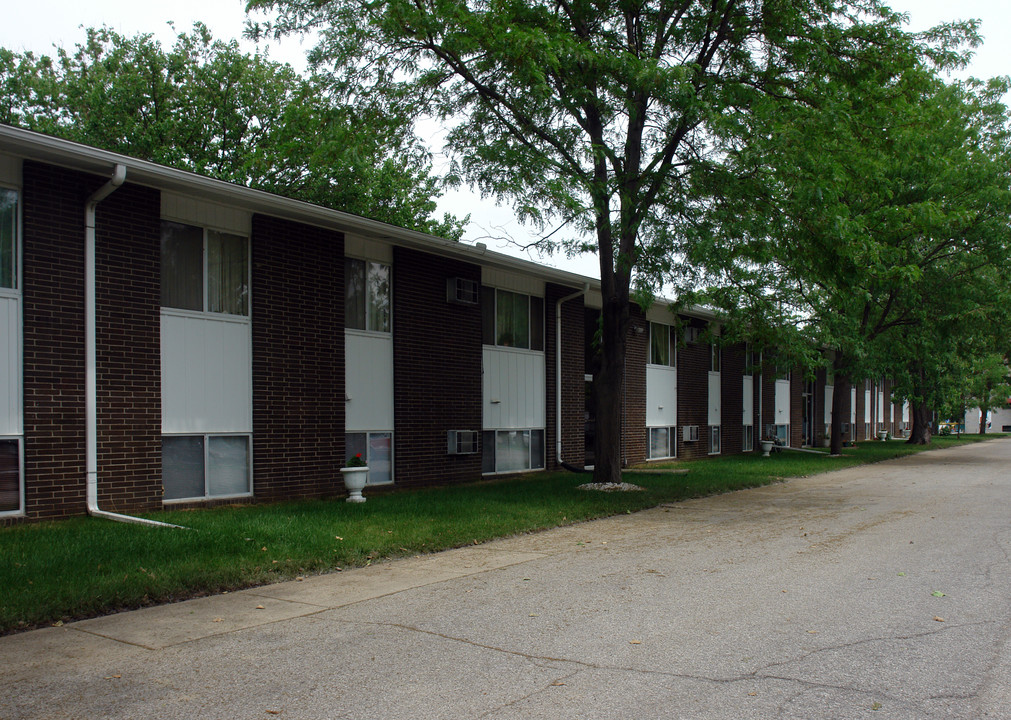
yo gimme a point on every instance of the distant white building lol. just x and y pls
(999, 420)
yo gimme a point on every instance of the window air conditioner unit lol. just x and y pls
(463, 442)
(462, 291)
(690, 433)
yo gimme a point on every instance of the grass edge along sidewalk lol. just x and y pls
(53, 572)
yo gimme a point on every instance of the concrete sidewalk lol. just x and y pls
(813, 598)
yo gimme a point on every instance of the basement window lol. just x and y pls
(10, 476)
(506, 451)
(200, 467)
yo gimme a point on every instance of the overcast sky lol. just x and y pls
(39, 26)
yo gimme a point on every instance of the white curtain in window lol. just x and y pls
(227, 273)
(228, 465)
(8, 238)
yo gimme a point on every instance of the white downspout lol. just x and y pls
(558, 368)
(90, 351)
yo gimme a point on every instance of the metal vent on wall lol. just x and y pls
(691, 433)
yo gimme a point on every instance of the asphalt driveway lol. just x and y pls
(878, 592)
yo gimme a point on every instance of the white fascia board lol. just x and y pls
(31, 145)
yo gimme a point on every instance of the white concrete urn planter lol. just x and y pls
(355, 479)
(882, 435)
(766, 446)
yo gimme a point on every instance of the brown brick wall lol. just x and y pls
(437, 362)
(573, 362)
(694, 362)
(53, 294)
(634, 423)
(128, 325)
(298, 359)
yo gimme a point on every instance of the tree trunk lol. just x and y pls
(920, 434)
(609, 387)
(840, 391)
(983, 415)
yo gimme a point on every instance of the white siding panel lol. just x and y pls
(829, 389)
(207, 381)
(10, 365)
(881, 407)
(905, 411)
(853, 408)
(782, 408)
(748, 398)
(867, 406)
(714, 398)
(368, 376)
(366, 248)
(509, 281)
(514, 389)
(193, 211)
(10, 170)
(661, 396)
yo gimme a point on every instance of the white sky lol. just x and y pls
(39, 26)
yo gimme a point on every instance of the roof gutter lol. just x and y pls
(558, 368)
(90, 353)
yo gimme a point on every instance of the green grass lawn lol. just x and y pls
(56, 571)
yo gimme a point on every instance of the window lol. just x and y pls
(512, 450)
(10, 476)
(377, 449)
(661, 442)
(748, 443)
(8, 238)
(512, 319)
(204, 270)
(195, 467)
(661, 351)
(714, 353)
(714, 439)
(749, 360)
(366, 295)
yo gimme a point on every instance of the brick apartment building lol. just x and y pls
(168, 339)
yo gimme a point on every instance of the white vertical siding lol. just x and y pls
(853, 408)
(206, 367)
(748, 398)
(829, 389)
(368, 376)
(661, 396)
(867, 406)
(905, 411)
(11, 422)
(10, 170)
(514, 389)
(194, 211)
(511, 281)
(782, 409)
(714, 398)
(881, 406)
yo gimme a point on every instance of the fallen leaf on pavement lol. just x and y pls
(635, 642)
(260, 607)
(938, 619)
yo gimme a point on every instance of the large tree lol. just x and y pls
(205, 105)
(870, 215)
(588, 116)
